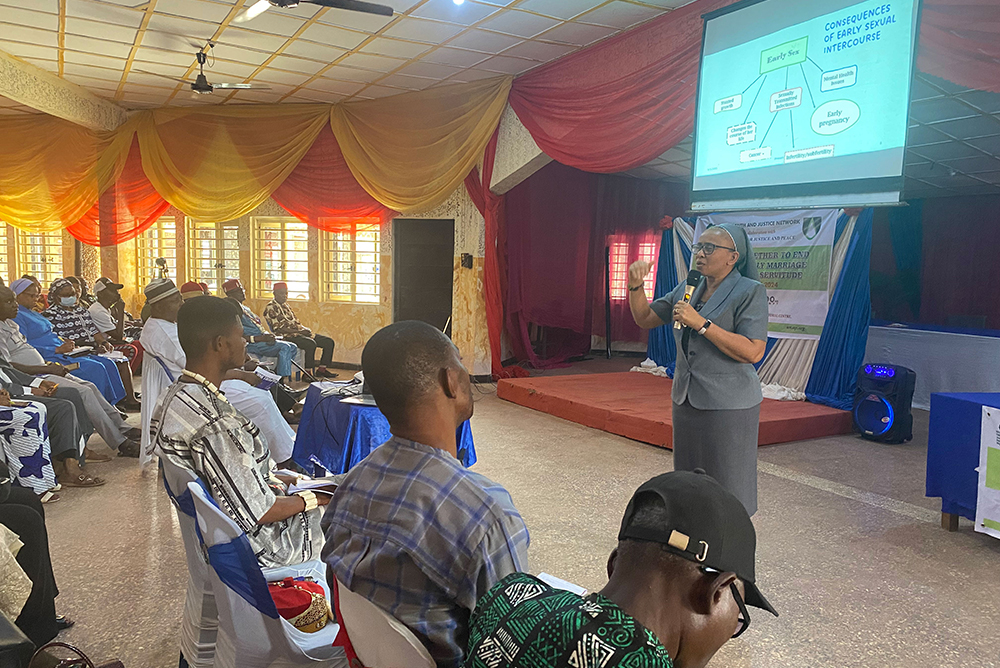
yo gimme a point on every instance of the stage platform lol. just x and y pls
(637, 406)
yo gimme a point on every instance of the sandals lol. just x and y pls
(129, 448)
(95, 457)
(83, 480)
(49, 497)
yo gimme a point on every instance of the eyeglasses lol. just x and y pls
(743, 622)
(708, 248)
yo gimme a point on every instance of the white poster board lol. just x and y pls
(794, 250)
(988, 500)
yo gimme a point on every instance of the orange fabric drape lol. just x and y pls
(321, 190)
(134, 206)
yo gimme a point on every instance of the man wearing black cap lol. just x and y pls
(679, 583)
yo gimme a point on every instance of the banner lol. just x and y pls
(794, 250)
(988, 500)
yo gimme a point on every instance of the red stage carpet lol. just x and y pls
(637, 406)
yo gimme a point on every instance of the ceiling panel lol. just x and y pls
(310, 51)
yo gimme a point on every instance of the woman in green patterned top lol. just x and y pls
(679, 583)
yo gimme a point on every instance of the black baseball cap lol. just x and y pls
(105, 282)
(706, 525)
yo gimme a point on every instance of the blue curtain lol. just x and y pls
(660, 347)
(906, 227)
(841, 349)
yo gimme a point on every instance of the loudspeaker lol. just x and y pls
(882, 403)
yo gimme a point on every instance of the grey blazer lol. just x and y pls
(705, 376)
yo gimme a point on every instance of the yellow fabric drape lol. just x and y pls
(52, 171)
(411, 151)
(221, 163)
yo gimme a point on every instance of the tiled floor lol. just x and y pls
(850, 551)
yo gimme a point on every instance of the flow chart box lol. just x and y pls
(741, 134)
(814, 153)
(755, 154)
(728, 103)
(784, 55)
(786, 99)
(837, 79)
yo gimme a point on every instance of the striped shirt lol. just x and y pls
(202, 432)
(416, 533)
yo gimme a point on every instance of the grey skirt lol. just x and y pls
(723, 443)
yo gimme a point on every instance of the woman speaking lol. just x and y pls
(716, 392)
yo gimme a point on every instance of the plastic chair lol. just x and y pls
(379, 639)
(272, 362)
(251, 633)
(200, 623)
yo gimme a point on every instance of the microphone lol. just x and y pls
(694, 277)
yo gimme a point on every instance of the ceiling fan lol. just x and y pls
(201, 85)
(262, 6)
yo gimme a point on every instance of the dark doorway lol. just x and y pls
(424, 261)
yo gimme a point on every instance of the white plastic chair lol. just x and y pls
(379, 639)
(200, 623)
(251, 633)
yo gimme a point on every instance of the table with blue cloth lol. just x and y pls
(336, 436)
(953, 446)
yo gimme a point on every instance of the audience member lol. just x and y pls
(679, 583)
(261, 343)
(110, 318)
(410, 529)
(160, 339)
(39, 333)
(72, 322)
(68, 426)
(22, 513)
(107, 420)
(282, 321)
(85, 299)
(196, 427)
(190, 290)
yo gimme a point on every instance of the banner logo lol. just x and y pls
(810, 227)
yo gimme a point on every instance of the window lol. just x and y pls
(281, 253)
(351, 260)
(621, 258)
(213, 253)
(40, 255)
(4, 250)
(159, 241)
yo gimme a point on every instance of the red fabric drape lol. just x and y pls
(960, 41)
(550, 224)
(135, 206)
(619, 104)
(322, 192)
(628, 212)
(491, 206)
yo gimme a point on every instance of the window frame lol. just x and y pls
(258, 287)
(23, 242)
(193, 257)
(638, 248)
(142, 245)
(327, 270)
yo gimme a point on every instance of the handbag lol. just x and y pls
(81, 660)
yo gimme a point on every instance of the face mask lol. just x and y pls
(68, 301)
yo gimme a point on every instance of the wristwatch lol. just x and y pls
(704, 328)
(638, 287)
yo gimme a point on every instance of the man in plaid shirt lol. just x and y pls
(409, 528)
(282, 321)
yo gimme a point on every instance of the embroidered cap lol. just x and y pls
(159, 288)
(281, 285)
(191, 289)
(232, 284)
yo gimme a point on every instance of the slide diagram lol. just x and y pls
(779, 90)
(832, 86)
